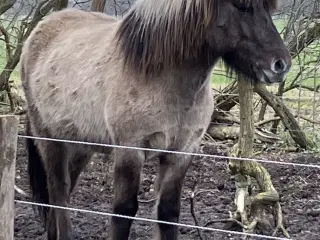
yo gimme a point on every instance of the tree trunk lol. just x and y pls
(5, 5)
(245, 169)
(244, 148)
(61, 4)
(246, 118)
(8, 149)
(98, 5)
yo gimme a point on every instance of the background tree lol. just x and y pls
(98, 5)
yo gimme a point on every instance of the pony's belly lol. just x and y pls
(165, 130)
(71, 123)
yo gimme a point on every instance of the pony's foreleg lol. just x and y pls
(56, 162)
(173, 169)
(127, 171)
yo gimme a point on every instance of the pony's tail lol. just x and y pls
(37, 174)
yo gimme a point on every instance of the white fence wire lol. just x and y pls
(171, 151)
(152, 220)
(162, 151)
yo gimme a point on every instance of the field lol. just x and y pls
(298, 188)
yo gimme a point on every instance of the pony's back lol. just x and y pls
(54, 25)
(57, 63)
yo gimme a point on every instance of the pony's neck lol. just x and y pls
(188, 80)
(152, 38)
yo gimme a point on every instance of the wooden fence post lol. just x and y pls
(8, 149)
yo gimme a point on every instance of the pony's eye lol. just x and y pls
(242, 7)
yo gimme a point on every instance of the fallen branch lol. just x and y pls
(266, 121)
(223, 132)
(19, 190)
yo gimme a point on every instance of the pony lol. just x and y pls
(140, 81)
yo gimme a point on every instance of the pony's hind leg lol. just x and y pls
(56, 161)
(76, 166)
(173, 169)
(127, 170)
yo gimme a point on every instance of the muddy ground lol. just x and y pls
(299, 189)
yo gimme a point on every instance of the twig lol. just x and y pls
(263, 122)
(147, 201)
(19, 190)
(309, 120)
(192, 209)
(4, 104)
(203, 191)
(226, 220)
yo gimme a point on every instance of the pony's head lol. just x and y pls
(160, 34)
(248, 41)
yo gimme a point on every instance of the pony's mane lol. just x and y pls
(158, 34)
(272, 4)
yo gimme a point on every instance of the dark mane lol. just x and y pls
(153, 36)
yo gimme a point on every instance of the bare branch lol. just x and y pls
(6, 40)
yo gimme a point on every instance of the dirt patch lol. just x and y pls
(298, 187)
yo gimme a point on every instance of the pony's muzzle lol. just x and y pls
(279, 67)
(277, 71)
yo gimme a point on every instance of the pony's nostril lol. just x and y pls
(279, 66)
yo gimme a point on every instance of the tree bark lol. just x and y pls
(98, 5)
(244, 149)
(245, 169)
(8, 149)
